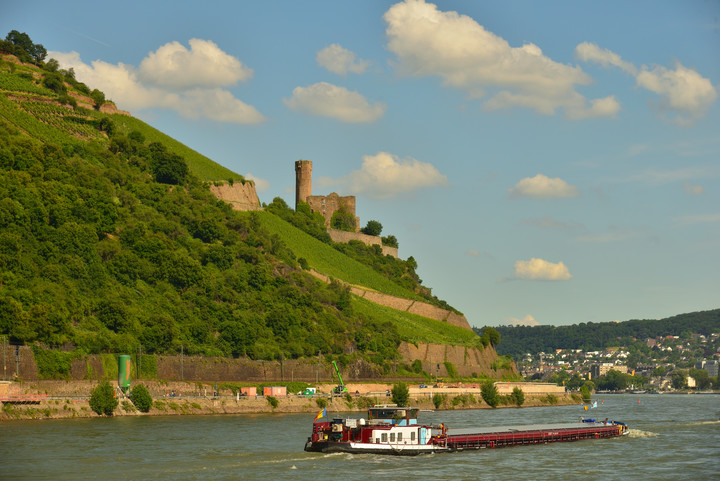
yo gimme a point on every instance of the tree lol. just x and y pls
(35, 51)
(490, 394)
(517, 396)
(103, 400)
(585, 391)
(678, 379)
(390, 241)
(492, 335)
(98, 97)
(373, 227)
(342, 220)
(400, 394)
(141, 398)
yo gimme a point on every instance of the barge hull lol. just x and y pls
(510, 436)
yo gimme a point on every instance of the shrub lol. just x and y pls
(321, 402)
(103, 400)
(400, 394)
(272, 401)
(438, 399)
(490, 394)
(141, 398)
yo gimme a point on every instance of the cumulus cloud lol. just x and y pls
(340, 60)
(261, 185)
(385, 175)
(541, 270)
(543, 187)
(454, 47)
(203, 65)
(327, 100)
(528, 320)
(151, 86)
(684, 93)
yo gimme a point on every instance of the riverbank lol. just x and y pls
(70, 399)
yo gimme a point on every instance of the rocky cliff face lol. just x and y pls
(242, 196)
(468, 361)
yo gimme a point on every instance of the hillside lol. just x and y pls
(110, 241)
(518, 340)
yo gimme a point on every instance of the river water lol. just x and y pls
(672, 437)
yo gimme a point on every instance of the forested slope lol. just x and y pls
(110, 241)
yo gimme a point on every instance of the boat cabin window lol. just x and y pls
(399, 437)
(392, 437)
(383, 437)
(412, 435)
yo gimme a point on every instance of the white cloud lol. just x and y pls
(124, 85)
(454, 47)
(589, 52)
(538, 269)
(472, 253)
(528, 320)
(327, 100)
(204, 65)
(261, 185)
(543, 187)
(683, 92)
(340, 60)
(216, 104)
(385, 175)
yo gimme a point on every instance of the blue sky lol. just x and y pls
(544, 162)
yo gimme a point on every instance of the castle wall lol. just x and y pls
(345, 237)
(327, 205)
(240, 196)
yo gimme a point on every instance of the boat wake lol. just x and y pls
(637, 433)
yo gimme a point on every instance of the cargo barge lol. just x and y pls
(395, 430)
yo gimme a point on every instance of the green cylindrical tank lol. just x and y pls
(124, 372)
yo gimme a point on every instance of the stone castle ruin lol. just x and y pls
(326, 205)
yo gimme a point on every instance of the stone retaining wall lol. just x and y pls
(401, 304)
(242, 196)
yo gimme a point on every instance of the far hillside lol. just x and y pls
(590, 336)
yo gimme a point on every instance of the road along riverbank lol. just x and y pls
(70, 399)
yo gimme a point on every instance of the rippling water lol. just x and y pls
(672, 437)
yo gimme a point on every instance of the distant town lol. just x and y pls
(658, 364)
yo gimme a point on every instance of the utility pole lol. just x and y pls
(182, 353)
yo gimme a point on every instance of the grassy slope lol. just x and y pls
(203, 167)
(413, 328)
(325, 259)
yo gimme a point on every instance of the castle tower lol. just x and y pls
(303, 181)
